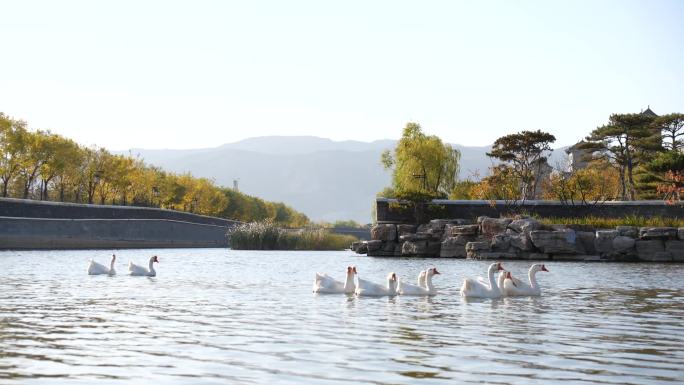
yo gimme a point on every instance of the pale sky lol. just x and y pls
(189, 74)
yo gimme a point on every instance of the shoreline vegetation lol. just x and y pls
(40, 165)
(268, 236)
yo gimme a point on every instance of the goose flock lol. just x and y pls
(95, 268)
(505, 285)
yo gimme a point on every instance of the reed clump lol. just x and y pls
(268, 236)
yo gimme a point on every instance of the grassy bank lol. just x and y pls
(267, 236)
(609, 223)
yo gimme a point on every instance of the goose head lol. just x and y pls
(494, 267)
(154, 259)
(433, 271)
(510, 276)
(392, 281)
(539, 267)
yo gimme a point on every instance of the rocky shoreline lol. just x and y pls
(523, 238)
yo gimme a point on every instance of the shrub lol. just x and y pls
(268, 236)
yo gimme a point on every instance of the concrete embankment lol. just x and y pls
(51, 225)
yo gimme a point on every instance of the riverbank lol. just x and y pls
(523, 238)
(27, 224)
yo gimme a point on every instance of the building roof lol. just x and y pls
(649, 112)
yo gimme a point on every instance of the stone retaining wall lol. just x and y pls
(393, 211)
(40, 233)
(523, 238)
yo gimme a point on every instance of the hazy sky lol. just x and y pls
(171, 74)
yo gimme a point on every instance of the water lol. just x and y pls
(217, 316)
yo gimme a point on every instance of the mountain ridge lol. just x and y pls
(325, 179)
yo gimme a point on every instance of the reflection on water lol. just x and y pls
(218, 316)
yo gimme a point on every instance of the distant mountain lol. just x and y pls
(325, 179)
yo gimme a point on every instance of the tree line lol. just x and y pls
(46, 166)
(632, 156)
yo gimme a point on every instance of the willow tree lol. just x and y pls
(423, 167)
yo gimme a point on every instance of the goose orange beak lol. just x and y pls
(544, 268)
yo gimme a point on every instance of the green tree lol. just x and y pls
(525, 153)
(626, 141)
(422, 166)
(13, 135)
(672, 128)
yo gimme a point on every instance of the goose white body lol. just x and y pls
(325, 284)
(515, 287)
(476, 289)
(140, 271)
(426, 289)
(367, 288)
(95, 268)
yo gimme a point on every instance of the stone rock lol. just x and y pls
(569, 257)
(413, 237)
(554, 242)
(680, 233)
(586, 242)
(676, 249)
(604, 241)
(373, 245)
(438, 224)
(623, 244)
(536, 256)
(433, 248)
(452, 247)
(389, 246)
(501, 242)
(406, 229)
(422, 228)
(452, 230)
(520, 241)
(628, 231)
(658, 233)
(385, 232)
(524, 225)
(592, 258)
(493, 255)
(477, 246)
(360, 247)
(492, 226)
(414, 248)
(651, 250)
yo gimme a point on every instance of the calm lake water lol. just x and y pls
(216, 316)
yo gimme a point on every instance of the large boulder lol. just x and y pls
(492, 226)
(628, 231)
(360, 247)
(623, 244)
(520, 241)
(652, 250)
(680, 233)
(658, 233)
(525, 225)
(373, 245)
(453, 247)
(414, 248)
(384, 232)
(676, 249)
(586, 242)
(501, 242)
(555, 242)
(413, 237)
(406, 229)
(474, 248)
(453, 230)
(604, 241)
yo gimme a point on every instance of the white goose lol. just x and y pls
(426, 289)
(367, 288)
(323, 283)
(515, 287)
(474, 288)
(97, 268)
(136, 270)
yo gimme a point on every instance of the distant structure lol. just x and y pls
(648, 112)
(578, 157)
(235, 185)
